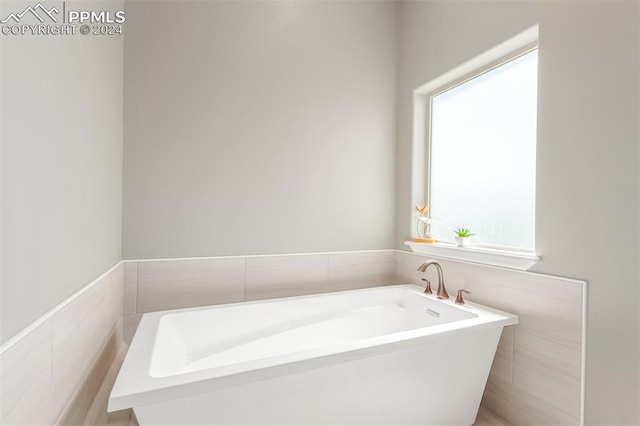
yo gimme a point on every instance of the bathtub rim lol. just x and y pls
(135, 386)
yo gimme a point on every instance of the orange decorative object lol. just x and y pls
(422, 209)
(423, 240)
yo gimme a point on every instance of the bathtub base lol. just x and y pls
(436, 382)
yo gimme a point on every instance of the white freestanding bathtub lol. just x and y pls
(386, 356)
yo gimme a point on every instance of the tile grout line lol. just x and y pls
(163, 259)
(135, 305)
(513, 354)
(328, 272)
(51, 352)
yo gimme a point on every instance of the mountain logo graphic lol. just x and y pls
(39, 11)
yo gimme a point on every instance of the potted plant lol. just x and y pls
(463, 237)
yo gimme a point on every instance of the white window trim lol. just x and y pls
(498, 55)
(487, 256)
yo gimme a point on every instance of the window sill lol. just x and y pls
(485, 256)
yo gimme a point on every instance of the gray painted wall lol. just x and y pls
(258, 127)
(61, 176)
(587, 163)
(588, 185)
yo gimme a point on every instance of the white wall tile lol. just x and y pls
(487, 418)
(130, 287)
(51, 374)
(349, 271)
(547, 306)
(502, 368)
(75, 412)
(97, 413)
(26, 379)
(95, 377)
(79, 331)
(129, 326)
(406, 268)
(521, 408)
(269, 277)
(114, 285)
(546, 344)
(550, 354)
(556, 384)
(175, 284)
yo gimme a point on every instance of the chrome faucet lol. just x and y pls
(442, 291)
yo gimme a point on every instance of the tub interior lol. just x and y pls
(225, 335)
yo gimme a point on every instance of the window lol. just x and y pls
(482, 151)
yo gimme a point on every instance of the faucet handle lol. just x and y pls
(459, 299)
(428, 288)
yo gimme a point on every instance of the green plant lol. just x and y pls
(463, 232)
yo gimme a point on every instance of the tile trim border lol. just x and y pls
(583, 369)
(259, 255)
(13, 340)
(394, 250)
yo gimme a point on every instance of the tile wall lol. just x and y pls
(156, 285)
(53, 373)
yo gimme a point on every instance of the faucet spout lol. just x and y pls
(442, 291)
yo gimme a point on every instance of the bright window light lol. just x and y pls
(483, 156)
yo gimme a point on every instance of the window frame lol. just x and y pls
(452, 83)
(420, 179)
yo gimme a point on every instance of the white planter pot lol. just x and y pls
(463, 241)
